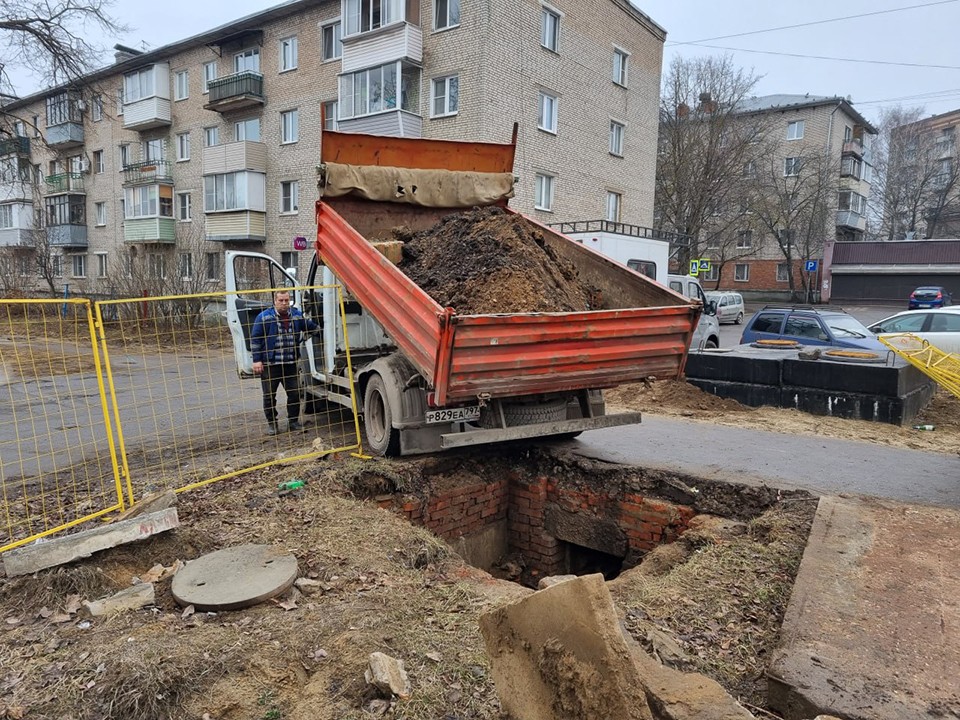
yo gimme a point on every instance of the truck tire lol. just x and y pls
(526, 413)
(382, 437)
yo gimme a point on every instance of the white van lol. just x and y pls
(707, 332)
(729, 306)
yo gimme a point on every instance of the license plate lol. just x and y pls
(459, 414)
(923, 305)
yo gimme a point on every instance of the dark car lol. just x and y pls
(930, 296)
(810, 325)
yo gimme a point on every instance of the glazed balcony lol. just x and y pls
(15, 146)
(239, 91)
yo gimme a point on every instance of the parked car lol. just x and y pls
(938, 326)
(809, 325)
(930, 296)
(729, 306)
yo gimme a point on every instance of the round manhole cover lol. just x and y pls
(235, 578)
(853, 356)
(776, 344)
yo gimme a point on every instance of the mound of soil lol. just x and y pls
(487, 261)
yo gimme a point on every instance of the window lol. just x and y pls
(79, 265)
(547, 118)
(36, 123)
(185, 265)
(614, 201)
(225, 192)
(785, 238)
(101, 264)
(543, 199)
(154, 150)
(791, 166)
(247, 130)
(330, 115)
(181, 85)
(851, 201)
(847, 133)
(247, 61)
(6, 216)
(148, 201)
(61, 109)
(782, 272)
(364, 15)
(799, 326)
(212, 266)
(290, 259)
(712, 275)
(644, 267)
(57, 262)
(375, 90)
(100, 212)
(744, 239)
(209, 73)
(289, 196)
(65, 210)
(120, 101)
(446, 14)
(851, 166)
(288, 54)
(156, 265)
(749, 169)
(550, 29)
(945, 323)
(98, 165)
(332, 43)
(620, 58)
(446, 91)
(211, 136)
(138, 85)
(795, 130)
(289, 127)
(768, 323)
(183, 146)
(19, 129)
(616, 138)
(183, 207)
(741, 272)
(124, 156)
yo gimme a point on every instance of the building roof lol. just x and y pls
(909, 252)
(772, 103)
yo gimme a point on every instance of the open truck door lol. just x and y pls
(249, 271)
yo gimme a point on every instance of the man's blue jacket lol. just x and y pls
(263, 337)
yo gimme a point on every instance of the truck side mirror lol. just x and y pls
(710, 308)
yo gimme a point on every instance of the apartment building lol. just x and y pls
(819, 150)
(168, 157)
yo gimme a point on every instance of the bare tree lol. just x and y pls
(705, 142)
(917, 181)
(795, 205)
(52, 39)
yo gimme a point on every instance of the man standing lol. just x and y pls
(274, 341)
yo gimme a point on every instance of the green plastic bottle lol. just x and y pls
(295, 484)
(924, 427)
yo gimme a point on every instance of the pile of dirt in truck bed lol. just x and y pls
(488, 261)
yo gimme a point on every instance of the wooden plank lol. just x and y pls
(49, 553)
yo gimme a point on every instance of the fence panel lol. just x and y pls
(57, 461)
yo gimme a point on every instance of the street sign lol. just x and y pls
(811, 266)
(299, 243)
(694, 267)
(704, 265)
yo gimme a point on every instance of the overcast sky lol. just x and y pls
(924, 35)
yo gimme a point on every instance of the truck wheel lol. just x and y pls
(382, 437)
(526, 413)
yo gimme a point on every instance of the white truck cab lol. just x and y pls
(707, 333)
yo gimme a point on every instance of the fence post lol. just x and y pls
(66, 296)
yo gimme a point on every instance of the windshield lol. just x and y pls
(848, 327)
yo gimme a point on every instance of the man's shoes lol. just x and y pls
(295, 426)
(272, 429)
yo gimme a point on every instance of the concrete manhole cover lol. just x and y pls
(235, 578)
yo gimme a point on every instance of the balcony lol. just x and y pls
(15, 146)
(67, 236)
(397, 41)
(64, 183)
(240, 226)
(853, 147)
(65, 135)
(148, 172)
(393, 123)
(235, 92)
(851, 219)
(235, 157)
(16, 237)
(150, 230)
(147, 114)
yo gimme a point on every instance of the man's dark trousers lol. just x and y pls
(274, 376)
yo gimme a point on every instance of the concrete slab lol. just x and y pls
(872, 630)
(235, 578)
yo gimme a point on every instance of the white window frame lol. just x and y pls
(550, 19)
(245, 57)
(440, 90)
(330, 108)
(57, 263)
(6, 217)
(289, 126)
(548, 112)
(139, 85)
(229, 191)
(289, 197)
(183, 146)
(335, 29)
(544, 188)
(614, 206)
(290, 259)
(782, 276)
(125, 158)
(100, 214)
(391, 11)
(795, 130)
(618, 132)
(154, 150)
(713, 274)
(96, 111)
(78, 262)
(102, 264)
(99, 164)
(743, 276)
(358, 90)
(209, 73)
(157, 265)
(211, 132)
(621, 64)
(745, 240)
(289, 53)
(185, 265)
(240, 129)
(451, 9)
(792, 166)
(181, 85)
(181, 206)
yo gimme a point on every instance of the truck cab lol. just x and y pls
(706, 335)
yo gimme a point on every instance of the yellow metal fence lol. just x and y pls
(104, 402)
(942, 367)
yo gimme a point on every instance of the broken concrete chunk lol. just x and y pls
(154, 502)
(553, 580)
(132, 598)
(388, 675)
(308, 586)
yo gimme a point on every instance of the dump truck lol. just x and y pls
(427, 378)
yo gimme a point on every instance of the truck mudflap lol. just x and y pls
(523, 432)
